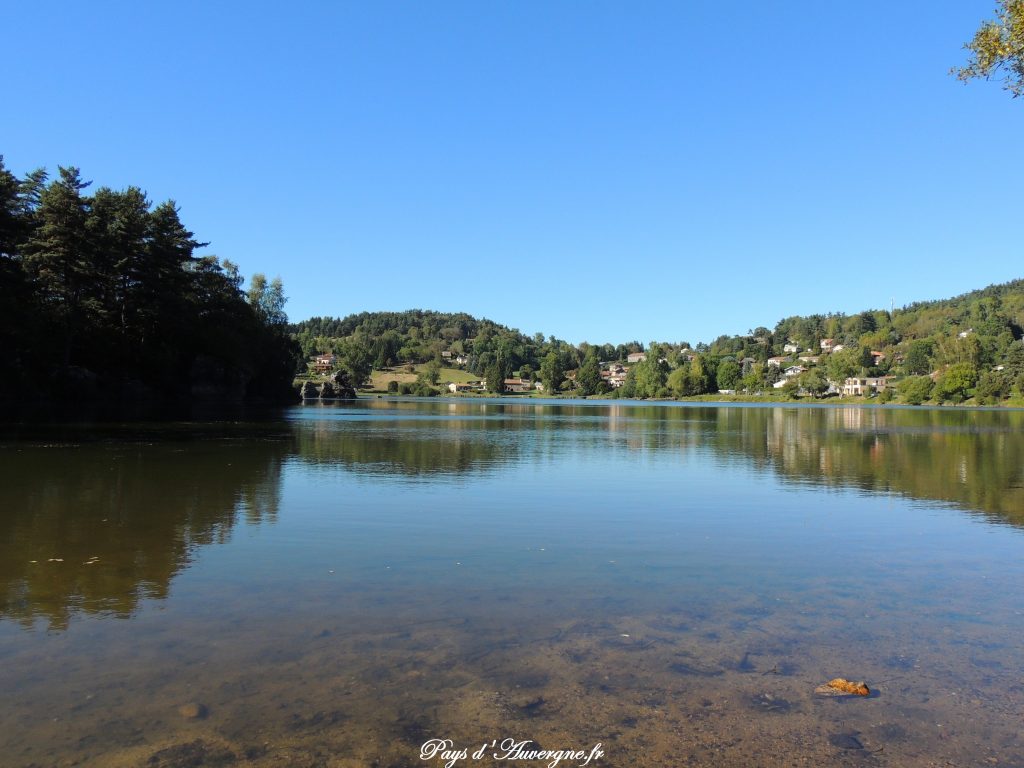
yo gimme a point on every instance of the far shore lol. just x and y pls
(709, 399)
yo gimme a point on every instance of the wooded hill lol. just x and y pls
(967, 348)
(102, 297)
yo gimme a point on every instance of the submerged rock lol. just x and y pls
(193, 710)
(767, 702)
(194, 754)
(846, 740)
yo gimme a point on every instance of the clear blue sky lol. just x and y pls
(592, 170)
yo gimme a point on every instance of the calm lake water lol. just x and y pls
(338, 585)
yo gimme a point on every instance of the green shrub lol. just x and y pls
(915, 389)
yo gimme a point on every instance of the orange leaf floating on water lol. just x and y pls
(841, 685)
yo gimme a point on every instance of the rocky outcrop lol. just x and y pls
(343, 386)
(338, 387)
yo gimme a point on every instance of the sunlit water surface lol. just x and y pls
(338, 585)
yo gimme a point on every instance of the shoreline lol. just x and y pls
(710, 400)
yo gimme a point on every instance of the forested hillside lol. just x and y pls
(102, 296)
(967, 348)
(378, 340)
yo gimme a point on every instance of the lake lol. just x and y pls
(341, 583)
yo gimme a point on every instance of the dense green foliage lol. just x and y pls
(376, 340)
(967, 348)
(104, 296)
(970, 341)
(589, 377)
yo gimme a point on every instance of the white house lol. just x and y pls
(791, 348)
(636, 357)
(864, 385)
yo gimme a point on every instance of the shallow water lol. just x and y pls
(339, 585)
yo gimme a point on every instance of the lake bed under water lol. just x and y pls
(341, 584)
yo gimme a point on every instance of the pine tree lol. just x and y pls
(57, 257)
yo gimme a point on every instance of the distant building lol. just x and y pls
(636, 357)
(777, 361)
(791, 348)
(827, 345)
(614, 375)
(324, 363)
(517, 385)
(864, 385)
(613, 380)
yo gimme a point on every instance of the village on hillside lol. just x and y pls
(968, 349)
(784, 373)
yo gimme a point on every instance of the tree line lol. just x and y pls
(103, 295)
(951, 350)
(370, 341)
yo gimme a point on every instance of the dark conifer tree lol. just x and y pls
(57, 256)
